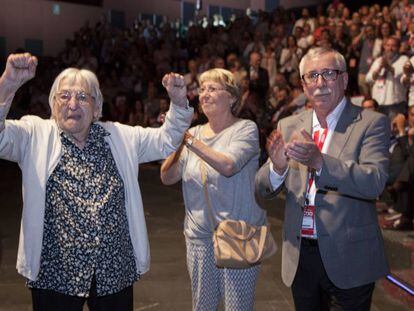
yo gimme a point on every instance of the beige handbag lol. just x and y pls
(237, 244)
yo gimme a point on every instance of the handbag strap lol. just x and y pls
(209, 209)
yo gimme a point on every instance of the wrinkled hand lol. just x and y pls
(275, 147)
(305, 151)
(176, 88)
(20, 68)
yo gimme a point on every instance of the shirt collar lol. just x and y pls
(332, 118)
(95, 131)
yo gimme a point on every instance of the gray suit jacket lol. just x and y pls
(353, 175)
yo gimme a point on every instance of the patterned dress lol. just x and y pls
(86, 228)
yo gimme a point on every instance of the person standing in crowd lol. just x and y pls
(258, 78)
(305, 19)
(289, 58)
(385, 75)
(401, 174)
(228, 149)
(333, 162)
(404, 186)
(83, 233)
(366, 43)
(407, 80)
(385, 31)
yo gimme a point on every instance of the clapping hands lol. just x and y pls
(301, 149)
(305, 151)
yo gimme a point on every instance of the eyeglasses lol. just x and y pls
(210, 89)
(81, 97)
(327, 75)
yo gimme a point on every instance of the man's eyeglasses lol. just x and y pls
(81, 97)
(327, 75)
(210, 89)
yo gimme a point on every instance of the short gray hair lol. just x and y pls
(315, 52)
(76, 75)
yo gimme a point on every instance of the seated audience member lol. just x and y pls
(157, 119)
(277, 104)
(191, 82)
(219, 62)
(151, 101)
(137, 115)
(87, 60)
(120, 109)
(370, 104)
(239, 73)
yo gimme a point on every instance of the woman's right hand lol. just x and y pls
(20, 68)
(176, 88)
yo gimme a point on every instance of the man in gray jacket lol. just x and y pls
(333, 161)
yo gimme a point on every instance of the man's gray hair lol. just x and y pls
(340, 62)
(81, 76)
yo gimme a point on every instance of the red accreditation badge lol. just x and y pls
(308, 222)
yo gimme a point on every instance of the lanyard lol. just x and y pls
(308, 229)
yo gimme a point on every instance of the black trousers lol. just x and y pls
(312, 289)
(48, 300)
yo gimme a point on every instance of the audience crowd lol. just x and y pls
(263, 52)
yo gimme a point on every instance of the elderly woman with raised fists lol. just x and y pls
(83, 234)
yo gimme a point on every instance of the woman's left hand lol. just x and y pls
(176, 88)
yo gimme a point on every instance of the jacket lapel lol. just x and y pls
(306, 123)
(343, 129)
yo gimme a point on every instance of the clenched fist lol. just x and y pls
(176, 88)
(19, 69)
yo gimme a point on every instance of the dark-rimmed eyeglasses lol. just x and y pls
(83, 98)
(327, 75)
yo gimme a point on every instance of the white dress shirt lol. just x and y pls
(332, 119)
